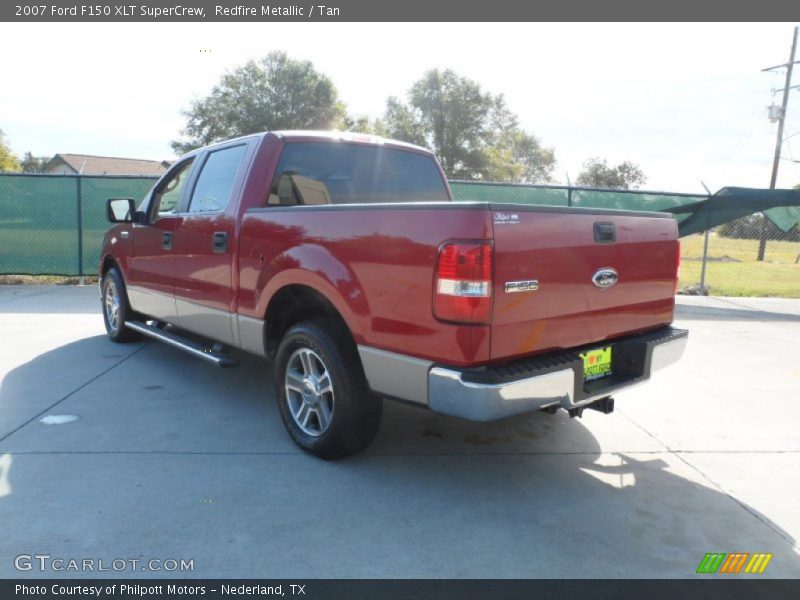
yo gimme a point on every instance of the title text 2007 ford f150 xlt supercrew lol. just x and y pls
(344, 260)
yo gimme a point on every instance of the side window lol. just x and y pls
(166, 197)
(212, 192)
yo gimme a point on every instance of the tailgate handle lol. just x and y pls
(605, 233)
(219, 243)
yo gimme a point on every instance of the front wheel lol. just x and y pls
(116, 309)
(321, 390)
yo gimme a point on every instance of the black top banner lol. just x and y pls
(397, 10)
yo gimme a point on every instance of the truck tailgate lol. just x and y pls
(562, 249)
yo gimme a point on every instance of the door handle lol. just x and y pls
(219, 242)
(166, 240)
(605, 233)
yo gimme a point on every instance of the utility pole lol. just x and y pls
(762, 244)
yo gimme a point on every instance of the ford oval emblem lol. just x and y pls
(605, 278)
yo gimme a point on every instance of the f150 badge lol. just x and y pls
(605, 278)
(522, 286)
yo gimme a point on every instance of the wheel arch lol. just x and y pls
(106, 264)
(294, 303)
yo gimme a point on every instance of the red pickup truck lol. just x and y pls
(344, 260)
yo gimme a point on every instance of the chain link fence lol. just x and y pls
(54, 225)
(725, 260)
(556, 195)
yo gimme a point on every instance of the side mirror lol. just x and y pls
(121, 210)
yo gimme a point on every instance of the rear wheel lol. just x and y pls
(321, 390)
(116, 309)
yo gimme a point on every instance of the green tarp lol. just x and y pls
(782, 207)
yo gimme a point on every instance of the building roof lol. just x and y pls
(86, 164)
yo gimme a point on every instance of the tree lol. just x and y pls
(34, 164)
(8, 162)
(362, 124)
(625, 176)
(515, 155)
(401, 123)
(473, 132)
(276, 92)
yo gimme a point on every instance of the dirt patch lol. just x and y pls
(44, 280)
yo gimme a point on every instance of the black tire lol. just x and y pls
(354, 413)
(115, 322)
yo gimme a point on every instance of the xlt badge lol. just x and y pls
(506, 218)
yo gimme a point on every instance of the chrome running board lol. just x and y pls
(208, 354)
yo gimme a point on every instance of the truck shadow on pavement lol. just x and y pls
(171, 457)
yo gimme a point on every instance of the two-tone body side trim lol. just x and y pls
(396, 375)
(213, 323)
(157, 305)
(251, 334)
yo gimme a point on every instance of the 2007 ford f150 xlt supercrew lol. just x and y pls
(344, 260)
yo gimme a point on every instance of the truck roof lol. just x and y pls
(296, 135)
(300, 135)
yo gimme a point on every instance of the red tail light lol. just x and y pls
(463, 286)
(677, 265)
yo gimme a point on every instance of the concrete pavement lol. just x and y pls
(170, 458)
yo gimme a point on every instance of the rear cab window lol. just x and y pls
(315, 173)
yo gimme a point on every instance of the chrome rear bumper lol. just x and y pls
(553, 381)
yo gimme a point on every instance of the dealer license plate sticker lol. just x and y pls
(596, 363)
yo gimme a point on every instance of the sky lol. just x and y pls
(687, 102)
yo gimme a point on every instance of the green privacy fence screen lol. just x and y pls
(54, 224)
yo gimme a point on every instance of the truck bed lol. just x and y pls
(381, 259)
